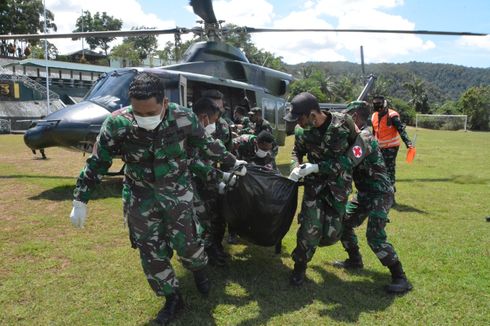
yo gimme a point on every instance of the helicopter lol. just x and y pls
(210, 64)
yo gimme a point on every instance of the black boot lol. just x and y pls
(214, 258)
(202, 281)
(221, 251)
(173, 305)
(299, 274)
(399, 282)
(353, 262)
(233, 238)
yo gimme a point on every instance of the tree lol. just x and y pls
(419, 98)
(242, 40)
(145, 45)
(172, 52)
(127, 52)
(38, 51)
(24, 17)
(99, 22)
(475, 102)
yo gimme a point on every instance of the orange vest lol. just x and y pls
(387, 135)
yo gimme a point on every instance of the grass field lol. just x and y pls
(51, 273)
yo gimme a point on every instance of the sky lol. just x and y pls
(294, 48)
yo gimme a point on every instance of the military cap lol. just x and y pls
(301, 104)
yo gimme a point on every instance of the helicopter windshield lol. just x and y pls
(111, 90)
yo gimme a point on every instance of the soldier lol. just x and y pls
(242, 122)
(324, 138)
(224, 134)
(386, 127)
(258, 123)
(373, 200)
(153, 136)
(207, 196)
(260, 150)
(223, 131)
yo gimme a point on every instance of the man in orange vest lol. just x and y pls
(386, 127)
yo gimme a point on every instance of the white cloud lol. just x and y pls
(130, 11)
(328, 46)
(479, 42)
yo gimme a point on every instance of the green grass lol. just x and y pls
(51, 273)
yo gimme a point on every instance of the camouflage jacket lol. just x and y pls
(328, 150)
(370, 176)
(262, 125)
(223, 133)
(247, 126)
(244, 148)
(156, 161)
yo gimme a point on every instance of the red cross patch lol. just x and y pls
(357, 151)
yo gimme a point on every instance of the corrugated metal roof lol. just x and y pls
(61, 65)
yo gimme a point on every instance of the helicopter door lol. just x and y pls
(183, 91)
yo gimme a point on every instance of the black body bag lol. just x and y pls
(261, 206)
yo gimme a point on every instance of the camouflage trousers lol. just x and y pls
(208, 213)
(320, 222)
(157, 228)
(389, 155)
(375, 208)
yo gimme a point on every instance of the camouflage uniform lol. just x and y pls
(262, 125)
(206, 203)
(244, 148)
(157, 190)
(373, 200)
(247, 126)
(326, 192)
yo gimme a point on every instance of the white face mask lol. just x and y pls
(148, 123)
(210, 129)
(261, 154)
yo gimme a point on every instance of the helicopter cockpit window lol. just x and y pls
(111, 90)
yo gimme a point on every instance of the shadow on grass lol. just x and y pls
(108, 188)
(28, 176)
(257, 279)
(460, 179)
(406, 208)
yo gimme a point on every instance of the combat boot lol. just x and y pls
(202, 281)
(221, 251)
(399, 282)
(353, 262)
(214, 257)
(299, 274)
(173, 305)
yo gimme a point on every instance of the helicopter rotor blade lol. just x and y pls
(138, 32)
(379, 31)
(204, 9)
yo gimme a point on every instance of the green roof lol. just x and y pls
(61, 65)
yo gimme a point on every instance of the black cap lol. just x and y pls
(301, 104)
(255, 110)
(265, 137)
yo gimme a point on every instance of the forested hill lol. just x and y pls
(442, 81)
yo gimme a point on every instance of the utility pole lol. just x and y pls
(46, 59)
(83, 47)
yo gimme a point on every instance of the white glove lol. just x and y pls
(306, 169)
(243, 170)
(78, 214)
(294, 175)
(240, 162)
(229, 178)
(221, 188)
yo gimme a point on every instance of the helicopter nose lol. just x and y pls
(39, 136)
